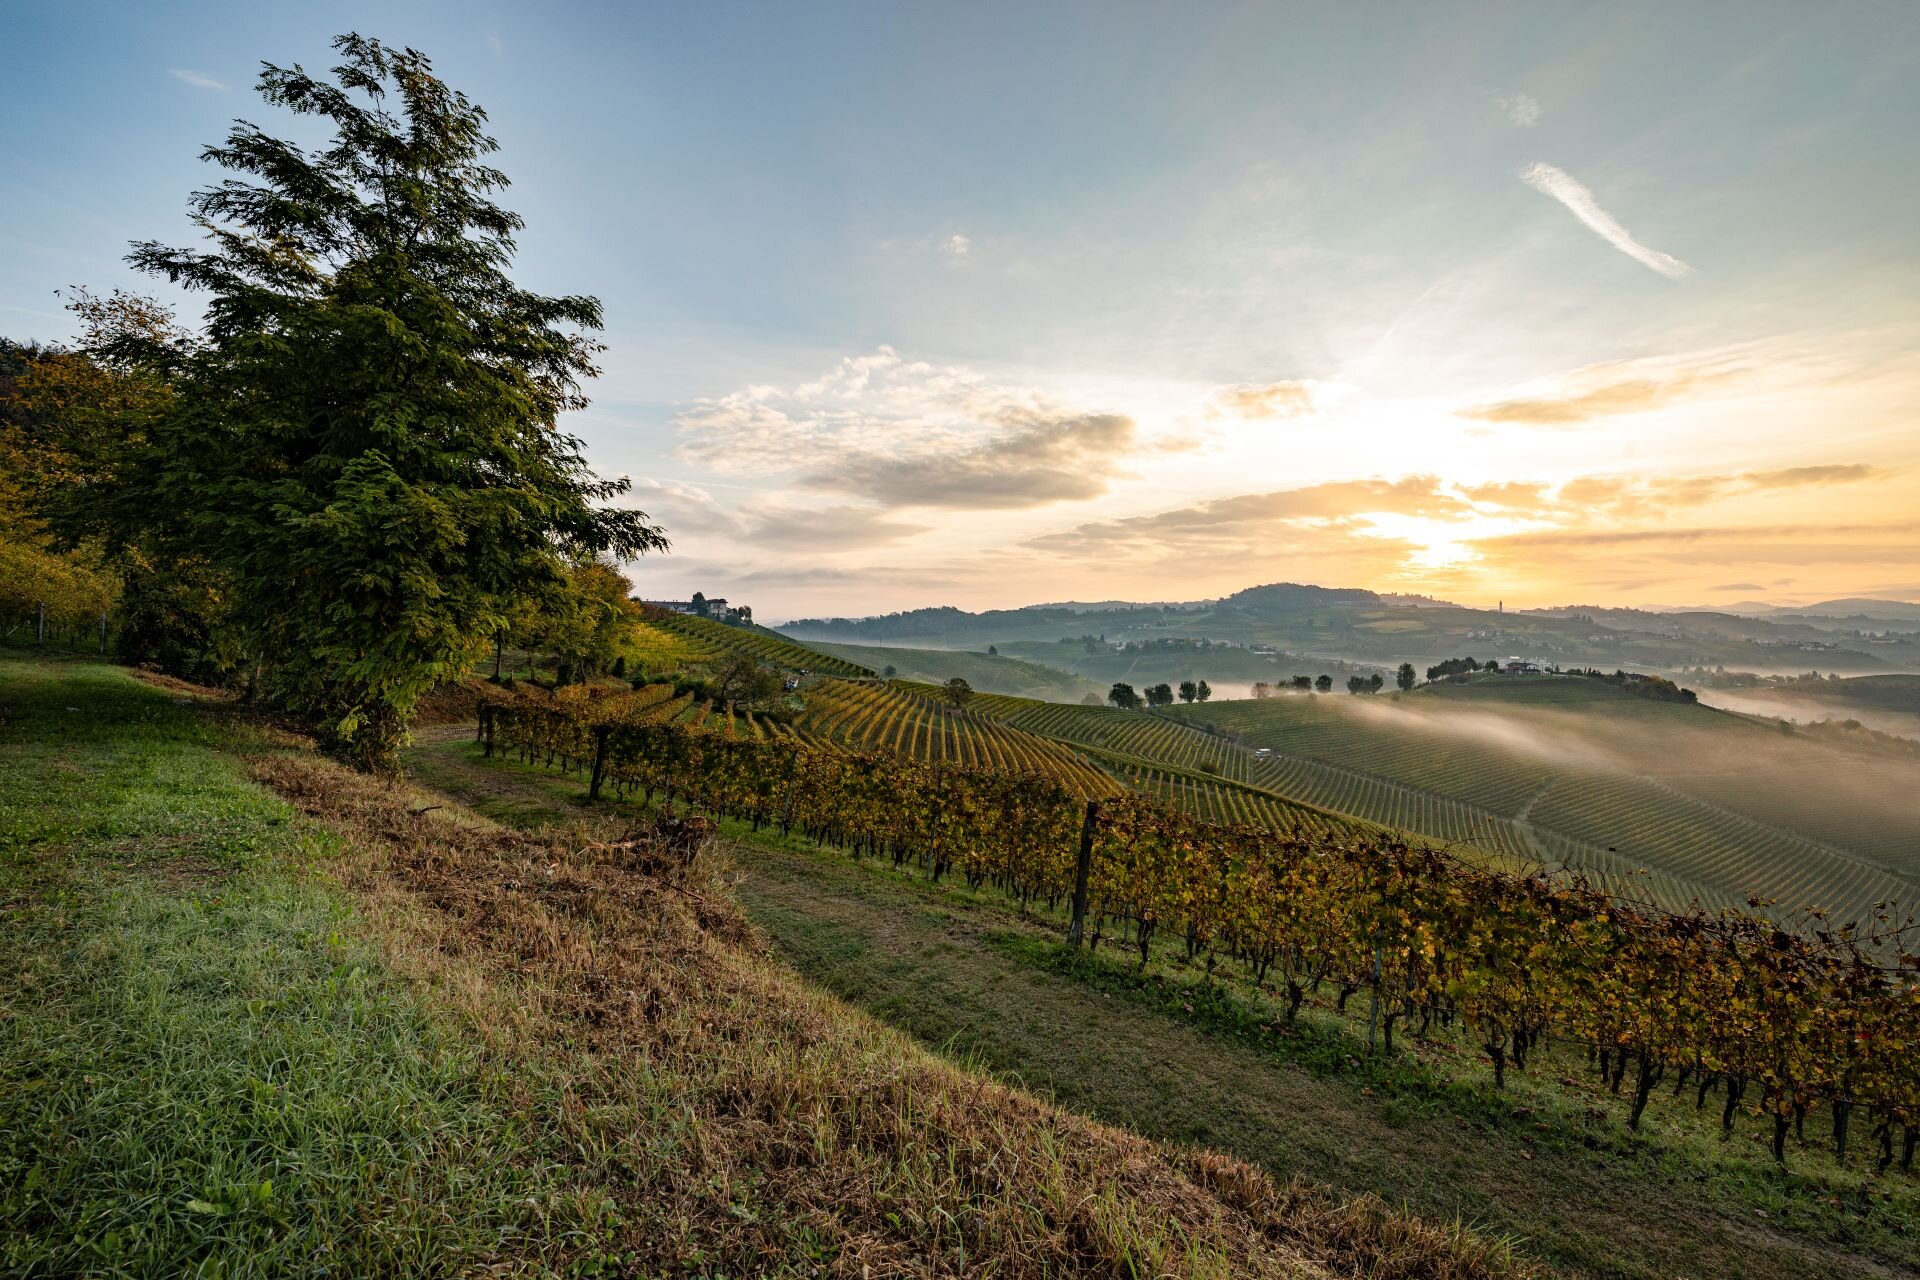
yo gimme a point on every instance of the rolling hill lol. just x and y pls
(1579, 772)
(986, 672)
(1324, 624)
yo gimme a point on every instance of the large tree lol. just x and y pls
(364, 439)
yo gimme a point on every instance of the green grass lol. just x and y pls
(205, 1067)
(1176, 1055)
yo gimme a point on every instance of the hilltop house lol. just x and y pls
(702, 606)
(1520, 667)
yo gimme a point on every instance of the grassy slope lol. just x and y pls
(358, 1029)
(988, 673)
(203, 1064)
(1551, 1161)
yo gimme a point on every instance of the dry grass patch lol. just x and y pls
(741, 1122)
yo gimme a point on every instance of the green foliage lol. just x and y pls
(746, 684)
(363, 442)
(1122, 695)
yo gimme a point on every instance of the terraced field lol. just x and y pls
(911, 720)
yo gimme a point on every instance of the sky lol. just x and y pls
(999, 304)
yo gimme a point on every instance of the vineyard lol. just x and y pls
(1230, 804)
(912, 721)
(1779, 1021)
(1536, 785)
(1150, 738)
(681, 639)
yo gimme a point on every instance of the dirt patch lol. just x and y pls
(451, 703)
(185, 688)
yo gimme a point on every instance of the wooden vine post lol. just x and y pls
(1082, 869)
(599, 761)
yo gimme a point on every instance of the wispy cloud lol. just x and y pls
(1794, 477)
(1562, 186)
(1617, 387)
(495, 45)
(1521, 108)
(956, 246)
(198, 79)
(1285, 399)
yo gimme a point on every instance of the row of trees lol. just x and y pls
(350, 481)
(1127, 698)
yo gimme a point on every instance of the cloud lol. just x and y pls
(824, 529)
(1602, 390)
(1562, 186)
(1250, 523)
(1793, 477)
(1285, 399)
(1622, 497)
(1738, 586)
(1790, 541)
(495, 45)
(956, 246)
(1516, 495)
(198, 79)
(1521, 108)
(906, 433)
(1039, 460)
(690, 509)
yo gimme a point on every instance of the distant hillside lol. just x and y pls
(1229, 667)
(946, 627)
(1339, 624)
(1888, 704)
(1861, 606)
(1289, 597)
(1890, 693)
(1582, 772)
(988, 673)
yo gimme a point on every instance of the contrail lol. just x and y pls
(1562, 186)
